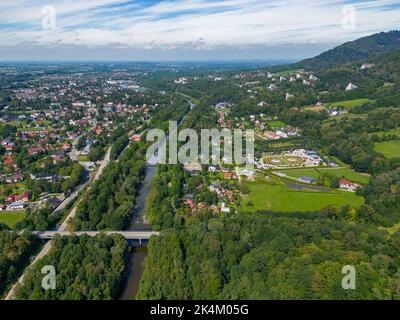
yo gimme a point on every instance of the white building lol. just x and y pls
(351, 87)
(272, 87)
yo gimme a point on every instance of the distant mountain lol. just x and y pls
(361, 50)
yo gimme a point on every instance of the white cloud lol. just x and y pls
(183, 22)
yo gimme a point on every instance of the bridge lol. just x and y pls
(128, 235)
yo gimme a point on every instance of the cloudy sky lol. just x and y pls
(185, 29)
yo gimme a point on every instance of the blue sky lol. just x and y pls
(186, 29)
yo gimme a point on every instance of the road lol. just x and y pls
(99, 172)
(128, 235)
(64, 225)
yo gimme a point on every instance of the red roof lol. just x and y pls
(191, 204)
(344, 182)
(25, 195)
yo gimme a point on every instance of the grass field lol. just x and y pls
(350, 103)
(83, 158)
(393, 229)
(348, 174)
(390, 149)
(393, 132)
(285, 73)
(280, 198)
(12, 218)
(16, 188)
(276, 124)
(301, 172)
(338, 172)
(315, 108)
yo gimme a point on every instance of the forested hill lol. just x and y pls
(360, 50)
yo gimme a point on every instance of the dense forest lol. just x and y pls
(264, 257)
(362, 49)
(15, 251)
(86, 269)
(109, 203)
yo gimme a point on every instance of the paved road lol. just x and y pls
(128, 235)
(99, 172)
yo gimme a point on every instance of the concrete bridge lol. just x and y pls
(128, 235)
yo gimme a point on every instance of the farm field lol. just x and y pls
(390, 149)
(11, 218)
(279, 198)
(350, 103)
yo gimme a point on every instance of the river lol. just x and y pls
(139, 223)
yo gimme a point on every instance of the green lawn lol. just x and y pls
(338, 172)
(12, 218)
(348, 174)
(300, 173)
(16, 188)
(286, 73)
(390, 149)
(350, 103)
(83, 158)
(280, 198)
(276, 124)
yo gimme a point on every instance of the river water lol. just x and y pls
(139, 223)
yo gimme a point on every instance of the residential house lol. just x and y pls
(17, 206)
(351, 87)
(271, 135)
(348, 185)
(136, 138)
(24, 197)
(229, 176)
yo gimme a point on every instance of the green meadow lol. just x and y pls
(300, 173)
(348, 174)
(390, 149)
(350, 103)
(338, 172)
(279, 198)
(276, 124)
(12, 218)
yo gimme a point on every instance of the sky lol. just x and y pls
(187, 30)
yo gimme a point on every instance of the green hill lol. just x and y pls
(360, 50)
